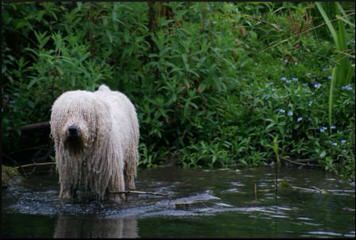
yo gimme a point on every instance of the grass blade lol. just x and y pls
(328, 23)
(331, 95)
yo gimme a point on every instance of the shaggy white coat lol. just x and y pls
(105, 159)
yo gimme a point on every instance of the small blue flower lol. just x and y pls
(334, 143)
(342, 141)
(332, 127)
(294, 79)
(330, 77)
(283, 79)
(322, 129)
(281, 110)
(316, 85)
(290, 113)
(347, 87)
(299, 119)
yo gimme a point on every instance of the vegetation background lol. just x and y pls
(214, 84)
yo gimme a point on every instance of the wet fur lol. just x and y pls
(104, 157)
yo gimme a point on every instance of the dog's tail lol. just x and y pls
(103, 87)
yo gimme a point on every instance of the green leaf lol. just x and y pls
(328, 22)
(185, 61)
(331, 95)
(345, 20)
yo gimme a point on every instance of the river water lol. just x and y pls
(194, 203)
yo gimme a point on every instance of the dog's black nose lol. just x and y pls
(73, 131)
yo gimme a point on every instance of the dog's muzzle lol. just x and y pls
(73, 142)
(73, 132)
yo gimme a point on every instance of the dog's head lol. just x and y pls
(76, 135)
(74, 120)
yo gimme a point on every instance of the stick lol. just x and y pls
(314, 189)
(139, 192)
(35, 164)
(35, 125)
(303, 162)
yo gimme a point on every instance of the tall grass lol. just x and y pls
(343, 71)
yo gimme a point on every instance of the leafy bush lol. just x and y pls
(213, 83)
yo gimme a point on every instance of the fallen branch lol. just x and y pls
(139, 192)
(36, 164)
(302, 162)
(35, 126)
(313, 189)
(341, 191)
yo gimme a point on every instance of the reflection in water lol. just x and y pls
(194, 203)
(93, 227)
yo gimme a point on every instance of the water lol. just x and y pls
(196, 203)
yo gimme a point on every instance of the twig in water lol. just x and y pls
(302, 162)
(313, 189)
(139, 192)
(255, 191)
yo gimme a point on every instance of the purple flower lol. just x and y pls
(347, 87)
(290, 113)
(342, 141)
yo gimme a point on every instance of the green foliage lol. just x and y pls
(343, 71)
(217, 84)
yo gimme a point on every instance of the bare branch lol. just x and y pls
(139, 192)
(36, 164)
